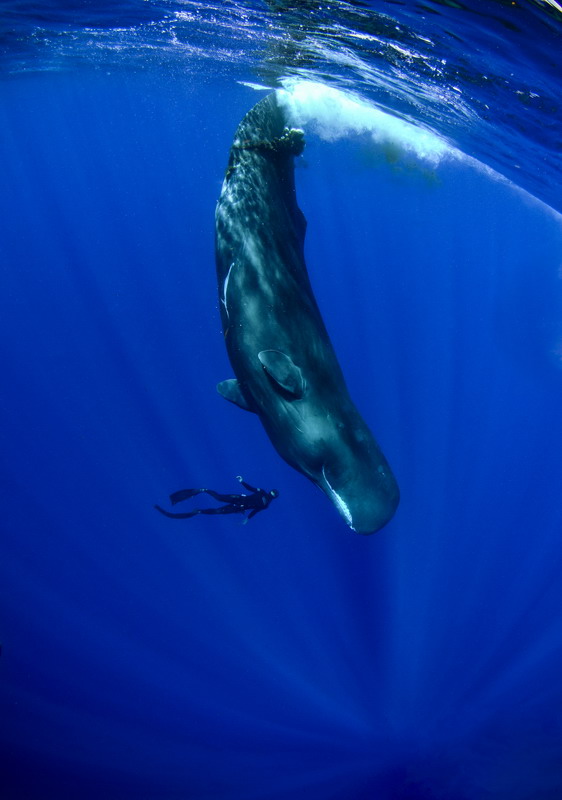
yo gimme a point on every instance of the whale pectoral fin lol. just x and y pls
(231, 391)
(282, 369)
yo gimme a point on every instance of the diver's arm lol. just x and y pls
(246, 485)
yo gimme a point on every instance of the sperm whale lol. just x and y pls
(285, 365)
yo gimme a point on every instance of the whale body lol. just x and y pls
(286, 368)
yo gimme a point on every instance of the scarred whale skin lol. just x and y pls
(285, 366)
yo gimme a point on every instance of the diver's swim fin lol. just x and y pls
(177, 516)
(184, 494)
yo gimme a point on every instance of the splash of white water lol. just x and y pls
(333, 114)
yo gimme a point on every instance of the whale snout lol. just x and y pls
(373, 513)
(366, 504)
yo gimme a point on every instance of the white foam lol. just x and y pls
(333, 114)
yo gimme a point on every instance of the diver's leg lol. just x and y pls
(229, 509)
(223, 498)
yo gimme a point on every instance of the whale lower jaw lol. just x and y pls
(338, 501)
(363, 518)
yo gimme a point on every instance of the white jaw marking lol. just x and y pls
(225, 289)
(340, 504)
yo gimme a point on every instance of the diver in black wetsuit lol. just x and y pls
(235, 503)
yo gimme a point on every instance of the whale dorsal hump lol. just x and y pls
(283, 371)
(231, 391)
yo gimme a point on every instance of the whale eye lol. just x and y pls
(381, 470)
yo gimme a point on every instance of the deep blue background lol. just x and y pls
(148, 658)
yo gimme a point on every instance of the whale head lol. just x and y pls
(316, 428)
(366, 496)
(357, 478)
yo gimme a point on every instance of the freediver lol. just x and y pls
(235, 503)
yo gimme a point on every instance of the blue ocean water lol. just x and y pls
(287, 658)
